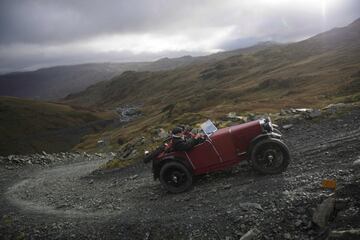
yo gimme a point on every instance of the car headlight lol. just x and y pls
(266, 125)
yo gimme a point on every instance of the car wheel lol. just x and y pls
(175, 177)
(270, 156)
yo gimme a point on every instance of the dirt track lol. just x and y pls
(66, 201)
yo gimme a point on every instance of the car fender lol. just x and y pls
(261, 137)
(158, 164)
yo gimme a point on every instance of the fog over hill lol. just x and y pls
(57, 82)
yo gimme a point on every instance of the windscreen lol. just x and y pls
(208, 127)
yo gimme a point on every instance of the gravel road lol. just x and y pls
(65, 200)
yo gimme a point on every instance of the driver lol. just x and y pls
(182, 143)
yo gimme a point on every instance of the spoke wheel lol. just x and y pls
(175, 177)
(270, 156)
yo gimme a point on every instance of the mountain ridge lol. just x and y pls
(303, 74)
(56, 82)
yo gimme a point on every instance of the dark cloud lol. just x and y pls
(43, 21)
(35, 32)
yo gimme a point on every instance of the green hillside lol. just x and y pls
(314, 72)
(28, 126)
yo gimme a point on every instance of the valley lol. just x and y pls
(29, 126)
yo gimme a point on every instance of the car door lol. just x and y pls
(203, 156)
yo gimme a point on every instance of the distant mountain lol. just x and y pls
(57, 82)
(173, 63)
(268, 76)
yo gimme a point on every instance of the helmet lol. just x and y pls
(177, 130)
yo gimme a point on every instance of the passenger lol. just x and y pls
(180, 142)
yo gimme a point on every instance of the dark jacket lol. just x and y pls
(180, 144)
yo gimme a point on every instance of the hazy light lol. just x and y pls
(155, 43)
(323, 8)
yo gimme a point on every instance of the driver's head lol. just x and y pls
(178, 131)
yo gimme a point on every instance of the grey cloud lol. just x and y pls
(42, 21)
(49, 21)
(63, 22)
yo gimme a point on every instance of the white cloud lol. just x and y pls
(155, 43)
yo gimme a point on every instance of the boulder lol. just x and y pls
(133, 177)
(350, 234)
(252, 234)
(332, 108)
(284, 112)
(315, 113)
(247, 206)
(356, 163)
(233, 117)
(100, 143)
(323, 212)
(287, 126)
(303, 110)
(287, 236)
(162, 134)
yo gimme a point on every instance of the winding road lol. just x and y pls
(68, 201)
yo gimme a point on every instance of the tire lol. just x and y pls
(270, 156)
(175, 177)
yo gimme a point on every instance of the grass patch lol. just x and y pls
(117, 163)
(28, 126)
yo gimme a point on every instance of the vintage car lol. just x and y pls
(256, 141)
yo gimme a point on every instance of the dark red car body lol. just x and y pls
(255, 141)
(224, 148)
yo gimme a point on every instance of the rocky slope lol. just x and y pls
(65, 199)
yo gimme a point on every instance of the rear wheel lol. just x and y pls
(270, 156)
(175, 177)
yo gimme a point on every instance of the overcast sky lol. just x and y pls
(39, 33)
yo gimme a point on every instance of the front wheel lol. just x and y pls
(175, 177)
(270, 156)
